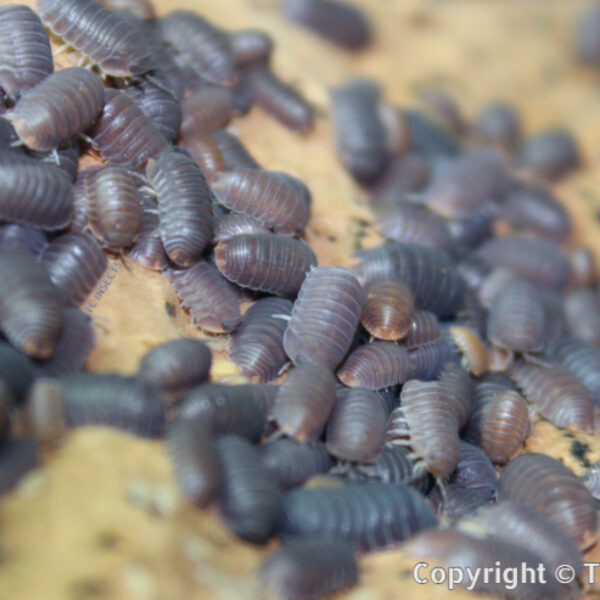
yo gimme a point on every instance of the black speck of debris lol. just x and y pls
(170, 309)
(579, 450)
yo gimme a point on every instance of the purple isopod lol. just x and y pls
(458, 389)
(428, 360)
(324, 318)
(427, 137)
(582, 311)
(212, 302)
(62, 105)
(206, 48)
(359, 131)
(475, 472)
(25, 54)
(290, 463)
(99, 33)
(556, 393)
(375, 366)
(194, 459)
(75, 262)
(31, 308)
(545, 484)
(74, 345)
(22, 238)
(304, 401)
(177, 365)
(114, 208)
(499, 124)
(454, 502)
(203, 148)
(257, 344)
(278, 99)
(148, 250)
(229, 225)
(250, 46)
(338, 22)
(233, 151)
(206, 110)
(444, 109)
(276, 199)
(307, 569)
(184, 204)
(537, 260)
(356, 428)
(33, 192)
(424, 329)
(265, 262)
(250, 501)
(370, 515)
(516, 319)
(124, 135)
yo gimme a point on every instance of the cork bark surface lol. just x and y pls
(102, 519)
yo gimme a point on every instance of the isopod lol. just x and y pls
(212, 302)
(444, 108)
(369, 515)
(124, 135)
(475, 472)
(75, 262)
(229, 225)
(250, 501)
(499, 124)
(257, 344)
(31, 308)
(45, 413)
(184, 204)
(324, 318)
(265, 262)
(583, 267)
(99, 33)
(177, 365)
(545, 484)
(471, 347)
(203, 148)
(582, 311)
(359, 132)
(424, 329)
(25, 54)
(22, 238)
(307, 569)
(276, 199)
(304, 401)
(148, 250)
(458, 389)
(250, 46)
(375, 366)
(235, 154)
(336, 21)
(557, 395)
(205, 110)
(65, 159)
(427, 137)
(62, 105)
(427, 361)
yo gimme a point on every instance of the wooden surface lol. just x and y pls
(102, 519)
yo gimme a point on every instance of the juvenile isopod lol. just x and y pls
(556, 393)
(537, 260)
(279, 99)
(257, 344)
(499, 124)
(276, 199)
(475, 472)
(114, 208)
(62, 105)
(100, 34)
(235, 154)
(239, 410)
(359, 131)
(250, 501)
(108, 399)
(312, 568)
(265, 262)
(124, 135)
(304, 401)
(250, 46)
(184, 204)
(356, 428)
(474, 354)
(177, 365)
(22, 238)
(25, 54)
(387, 309)
(375, 366)
(499, 422)
(551, 154)
(424, 329)
(324, 318)
(31, 308)
(370, 515)
(75, 262)
(209, 297)
(148, 250)
(74, 345)
(205, 47)
(545, 484)
(229, 225)
(290, 463)
(336, 21)
(194, 458)
(33, 192)
(429, 273)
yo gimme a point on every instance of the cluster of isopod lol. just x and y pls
(409, 377)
